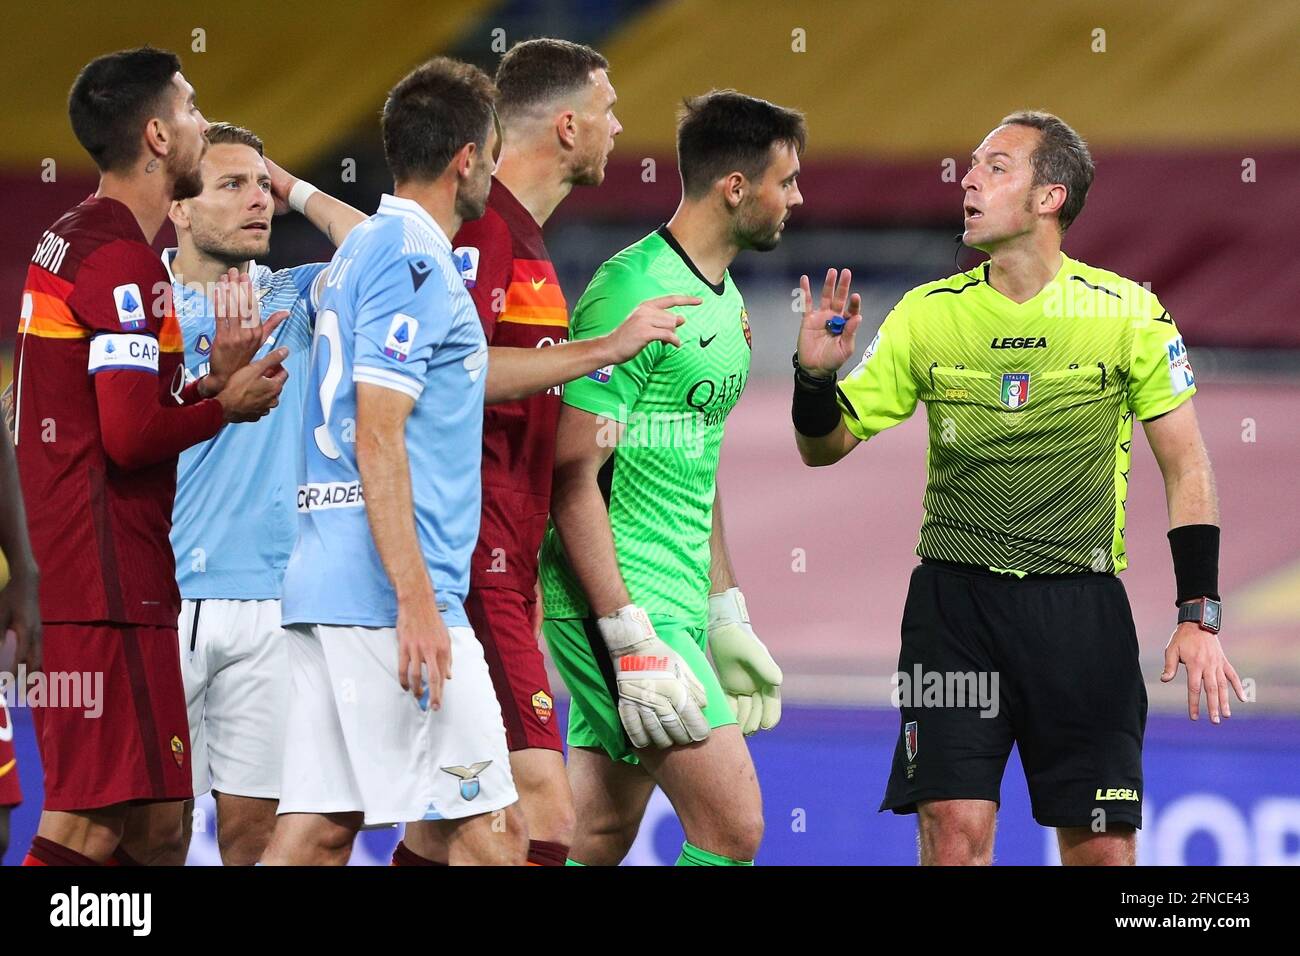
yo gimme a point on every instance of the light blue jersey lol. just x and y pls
(394, 314)
(234, 523)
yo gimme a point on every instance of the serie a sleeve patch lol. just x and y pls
(113, 351)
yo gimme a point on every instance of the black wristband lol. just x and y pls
(814, 411)
(1195, 548)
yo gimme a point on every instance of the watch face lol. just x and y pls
(1212, 613)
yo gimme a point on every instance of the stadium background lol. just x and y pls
(1189, 108)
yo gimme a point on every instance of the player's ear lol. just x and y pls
(463, 161)
(734, 187)
(156, 138)
(179, 214)
(1053, 199)
(566, 128)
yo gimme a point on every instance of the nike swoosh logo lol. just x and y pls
(704, 343)
(7, 767)
(538, 283)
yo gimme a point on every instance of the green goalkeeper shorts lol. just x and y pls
(583, 662)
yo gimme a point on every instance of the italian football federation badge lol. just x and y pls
(1015, 389)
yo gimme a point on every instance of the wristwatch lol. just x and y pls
(1206, 612)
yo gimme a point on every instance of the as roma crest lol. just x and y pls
(178, 751)
(543, 706)
(744, 327)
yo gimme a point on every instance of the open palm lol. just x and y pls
(820, 350)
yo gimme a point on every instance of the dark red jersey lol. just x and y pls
(510, 276)
(99, 420)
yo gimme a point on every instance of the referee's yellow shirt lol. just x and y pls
(1030, 408)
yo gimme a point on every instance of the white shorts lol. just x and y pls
(235, 663)
(355, 741)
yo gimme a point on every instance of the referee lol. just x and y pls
(1032, 367)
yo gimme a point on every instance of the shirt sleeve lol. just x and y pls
(1160, 374)
(403, 314)
(123, 295)
(122, 287)
(484, 254)
(612, 391)
(881, 392)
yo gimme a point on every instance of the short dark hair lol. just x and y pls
(432, 113)
(111, 99)
(534, 72)
(1061, 156)
(724, 131)
(221, 134)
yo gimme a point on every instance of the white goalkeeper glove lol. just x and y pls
(660, 700)
(746, 671)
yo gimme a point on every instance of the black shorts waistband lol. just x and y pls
(978, 571)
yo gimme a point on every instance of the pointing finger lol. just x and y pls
(672, 301)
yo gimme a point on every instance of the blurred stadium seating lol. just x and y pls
(1190, 111)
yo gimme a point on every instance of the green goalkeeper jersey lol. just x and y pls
(672, 403)
(1030, 409)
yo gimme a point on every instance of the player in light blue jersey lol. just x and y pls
(234, 520)
(375, 588)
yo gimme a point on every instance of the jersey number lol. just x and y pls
(327, 328)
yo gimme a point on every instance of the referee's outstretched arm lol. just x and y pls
(1175, 440)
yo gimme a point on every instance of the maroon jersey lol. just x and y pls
(99, 422)
(510, 277)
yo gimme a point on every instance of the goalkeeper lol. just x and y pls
(635, 574)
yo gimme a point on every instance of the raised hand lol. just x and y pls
(281, 184)
(821, 352)
(240, 329)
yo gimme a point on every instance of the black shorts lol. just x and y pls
(1050, 664)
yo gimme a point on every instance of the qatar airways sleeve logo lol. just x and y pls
(130, 306)
(467, 262)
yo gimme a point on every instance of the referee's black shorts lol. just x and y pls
(1060, 678)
